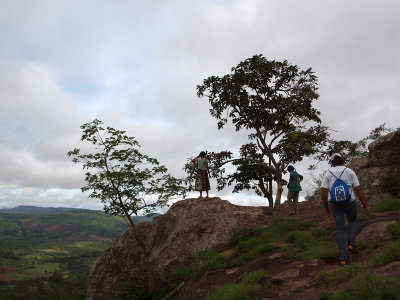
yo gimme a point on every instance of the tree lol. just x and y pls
(272, 101)
(126, 181)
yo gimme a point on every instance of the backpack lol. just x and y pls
(340, 192)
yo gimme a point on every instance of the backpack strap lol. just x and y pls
(340, 173)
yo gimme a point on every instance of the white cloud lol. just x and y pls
(135, 65)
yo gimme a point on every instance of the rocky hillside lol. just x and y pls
(194, 224)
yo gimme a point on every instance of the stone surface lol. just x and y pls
(375, 231)
(171, 239)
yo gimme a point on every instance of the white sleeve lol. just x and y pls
(325, 181)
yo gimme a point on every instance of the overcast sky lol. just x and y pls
(135, 66)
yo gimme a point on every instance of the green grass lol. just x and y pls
(310, 244)
(347, 272)
(368, 245)
(394, 230)
(367, 286)
(251, 287)
(387, 204)
(386, 255)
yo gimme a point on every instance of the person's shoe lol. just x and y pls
(352, 249)
(344, 262)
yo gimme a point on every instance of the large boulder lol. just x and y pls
(170, 239)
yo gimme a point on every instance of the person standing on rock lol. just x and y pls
(203, 173)
(342, 211)
(294, 188)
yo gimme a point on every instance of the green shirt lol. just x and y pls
(294, 182)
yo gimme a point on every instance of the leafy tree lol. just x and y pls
(272, 101)
(126, 181)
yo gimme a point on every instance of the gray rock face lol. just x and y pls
(171, 239)
(384, 158)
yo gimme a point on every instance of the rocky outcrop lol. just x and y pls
(383, 158)
(170, 239)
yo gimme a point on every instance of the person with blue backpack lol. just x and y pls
(339, 187)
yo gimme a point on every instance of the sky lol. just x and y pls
(135, 66)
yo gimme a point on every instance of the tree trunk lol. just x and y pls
(279, 191)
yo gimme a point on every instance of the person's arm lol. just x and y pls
(359, 192)
(208, 170)
(324, 197)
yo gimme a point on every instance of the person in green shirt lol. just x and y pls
(294, 188)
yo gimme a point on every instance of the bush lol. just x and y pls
(394, 230)
(387, 204)
(391, 183)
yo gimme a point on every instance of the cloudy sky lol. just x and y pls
(135, 66)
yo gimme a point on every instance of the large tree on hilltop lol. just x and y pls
(272, 101)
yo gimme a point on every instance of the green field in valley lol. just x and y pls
(35, 245)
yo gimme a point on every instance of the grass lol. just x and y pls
(387, 255)
(251, 287)
(367, 286)
(387, 204)
(310, 244)
(346, 273)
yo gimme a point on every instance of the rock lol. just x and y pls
(375, 231)
(383, 158)
(171, 239)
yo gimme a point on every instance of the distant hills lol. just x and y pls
(38, 241)
(35, 210)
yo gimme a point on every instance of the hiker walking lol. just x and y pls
(339, 186)
(294, 189)
(203, 173)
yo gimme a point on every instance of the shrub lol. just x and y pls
(394, 230)
(391, 183)
(387, 204)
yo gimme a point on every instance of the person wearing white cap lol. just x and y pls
(343, 209)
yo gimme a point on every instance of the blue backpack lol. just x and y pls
(340, 192)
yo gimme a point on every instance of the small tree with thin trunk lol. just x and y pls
(126, 181)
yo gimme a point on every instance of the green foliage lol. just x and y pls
(391, 183)
(347, 272)
(250, 287)
(368, 245)
(351, 150)
(387, 204)
(208, 260)
(368, 286)
(388, 254)
(394, 230)
(126, 181)
(45, 244)
(272, 101)
(55, 287)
